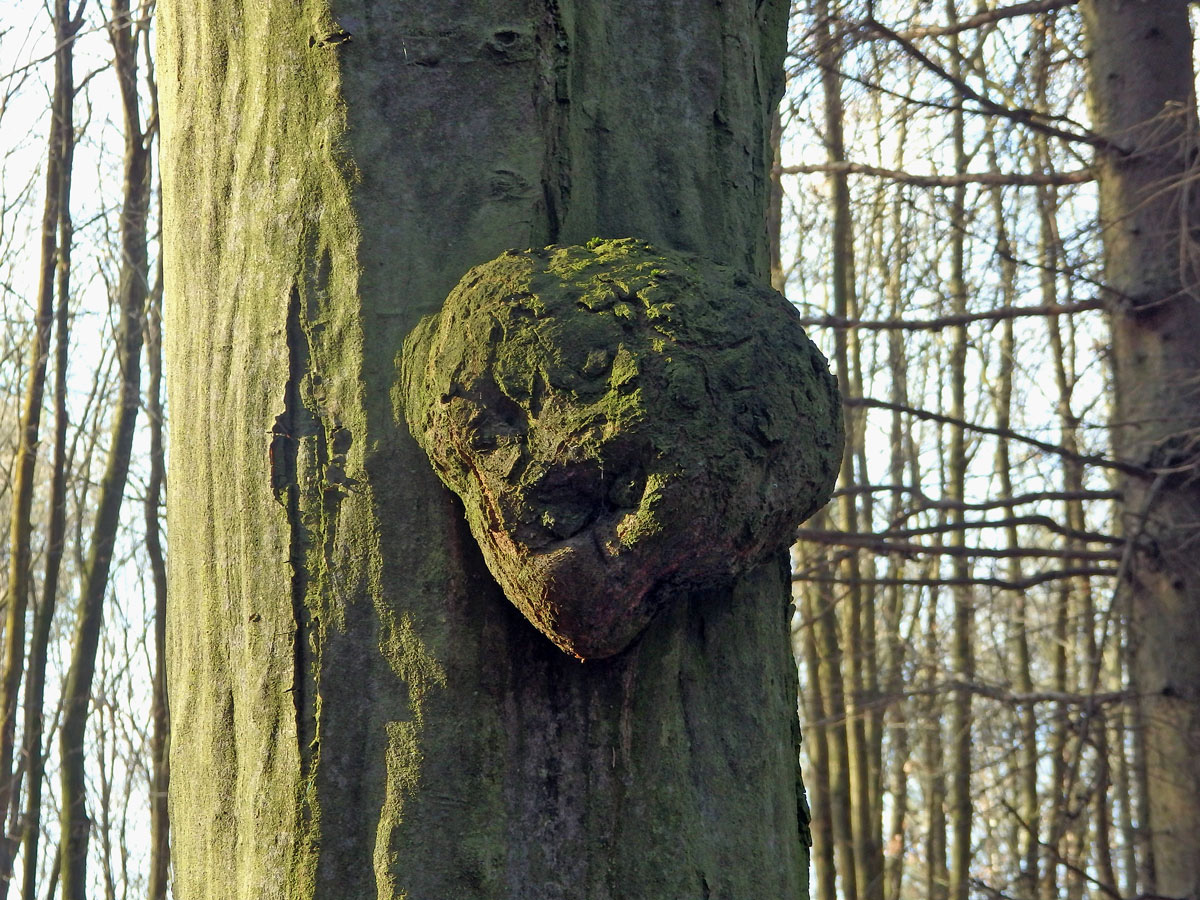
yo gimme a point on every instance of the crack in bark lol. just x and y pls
(291, 426)
(553, 101)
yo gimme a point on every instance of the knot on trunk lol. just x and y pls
(620, 421)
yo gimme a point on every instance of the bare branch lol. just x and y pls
(1001, 502)
(1005, 695)
(1027, 117)
(989, 17)
(1035, 497)
(878, 545)
(1022, 584)
(1040, 521)
(930, 416)
(940, 322)
(1001, 179)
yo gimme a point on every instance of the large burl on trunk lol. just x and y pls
(357, 712)
(620, 422)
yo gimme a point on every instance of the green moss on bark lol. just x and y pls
(620, 422)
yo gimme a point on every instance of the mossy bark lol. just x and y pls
(620, 422)
(357, 710)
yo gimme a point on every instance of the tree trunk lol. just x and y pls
(356, 710)
(34, 688)
(866, 855)
(775, 207)
(817, 738)
(59, 156)
(160, 716)
(1024, 846)
(962, 653)
(833, 770)
(895, 645)
(933, 751)
(1143, 102)
(131, 295)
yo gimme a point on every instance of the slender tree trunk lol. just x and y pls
(55, 871)
(1028, 819)
(866, 854)
(937, 875)
(816, 739)
(1064, 825)
(1081, 601)
(58, 192)
(775, 207)
(1092, 729)
(831, 687)
(160, 739)
(962, 638)
(131, 294)
(356, 710)
(33, 734)
(899, 709)
(39, 641)
(1143, 103)
(160, 768)
(1056, 798)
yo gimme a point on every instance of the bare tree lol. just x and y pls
(980, 420)
(55, 258)
(130, 303)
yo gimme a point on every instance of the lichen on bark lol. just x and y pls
(620, 422)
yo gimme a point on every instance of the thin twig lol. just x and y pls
(940, 322)
(930, 416)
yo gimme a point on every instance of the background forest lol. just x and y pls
(972, 723)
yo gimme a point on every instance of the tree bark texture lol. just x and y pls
(356, 710)
(1144, 105)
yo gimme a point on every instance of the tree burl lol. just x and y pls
(620, 423)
